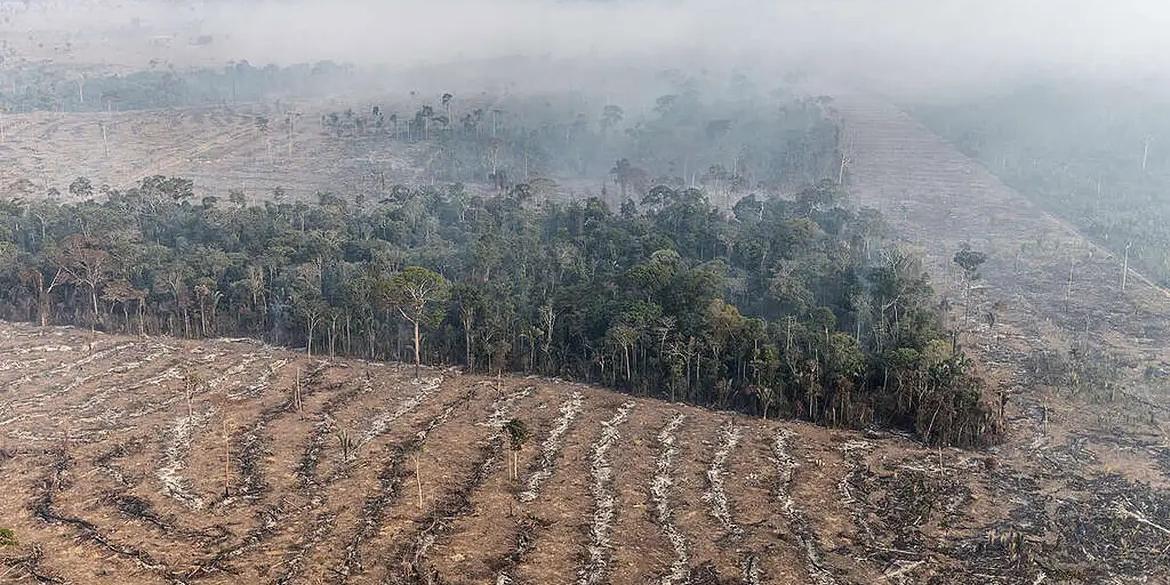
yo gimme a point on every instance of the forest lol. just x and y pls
(783, 306)
(729, 139)
(587, 292)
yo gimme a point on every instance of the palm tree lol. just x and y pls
(424, 115)
(622, 172)
(611, 116)
(446, 100)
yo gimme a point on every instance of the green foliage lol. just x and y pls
(518, 433)
(798, 307)
(7, 538)
(969, 260)
(414, 291)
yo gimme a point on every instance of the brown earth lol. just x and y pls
(111, 476)
(220, 148)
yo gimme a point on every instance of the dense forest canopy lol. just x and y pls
(1096, 155)
(797, 307)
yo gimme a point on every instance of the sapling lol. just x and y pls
(518, 434)
(191, 383)
(346, 443)
(7, 538)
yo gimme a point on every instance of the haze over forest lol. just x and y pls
(892, 46)
(688, 292)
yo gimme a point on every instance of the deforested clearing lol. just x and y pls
(827, 484)
(563, 292)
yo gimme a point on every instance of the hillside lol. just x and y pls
(1049, 287)
(1079, 361)
(247, 148)
(99, 442)
(119, 478)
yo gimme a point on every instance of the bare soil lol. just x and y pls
(220, 148)
(110, 477)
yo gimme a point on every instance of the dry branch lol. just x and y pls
(660, 488)
(597, 560)
(716, 494)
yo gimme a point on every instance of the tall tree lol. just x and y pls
(414, 292)
(87, 263)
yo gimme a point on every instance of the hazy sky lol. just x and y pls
(900, 42)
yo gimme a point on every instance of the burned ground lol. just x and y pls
(112, 478)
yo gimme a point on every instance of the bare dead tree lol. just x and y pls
(1125, 266)
(418, 478)
(298, 402)
(227, 456)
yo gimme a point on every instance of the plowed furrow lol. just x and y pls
(43, 508)
(391, 479)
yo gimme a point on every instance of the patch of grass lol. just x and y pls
(7, 538)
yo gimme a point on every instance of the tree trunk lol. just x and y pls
(417, 353)
(202, 318)
(467, 346)
(626, 358)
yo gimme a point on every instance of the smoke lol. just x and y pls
(895, 45)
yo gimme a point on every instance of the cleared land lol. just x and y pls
(113, 476)
(119, 479)
(254, 149)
